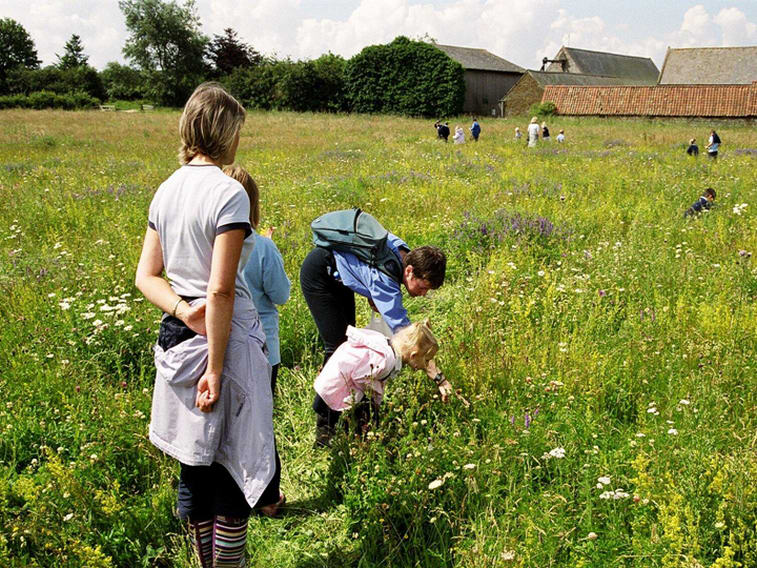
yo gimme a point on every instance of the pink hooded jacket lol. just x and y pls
(360, 365)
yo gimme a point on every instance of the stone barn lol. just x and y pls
(487, 78)
(573, 66)
(709, 66)
(637, 70)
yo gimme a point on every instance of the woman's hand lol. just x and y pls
(193, 316)
(208, 391)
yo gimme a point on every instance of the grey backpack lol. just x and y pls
(355, 231)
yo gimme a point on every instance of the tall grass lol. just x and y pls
(606, 344)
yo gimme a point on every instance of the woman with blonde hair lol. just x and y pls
(355, 376)
(212, 403)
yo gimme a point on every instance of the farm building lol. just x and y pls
(705, 101)
(530, 88)
(573, 66)
(637, 70)
(487, 78)
(709, 66)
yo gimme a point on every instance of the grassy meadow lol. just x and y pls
(607, 346)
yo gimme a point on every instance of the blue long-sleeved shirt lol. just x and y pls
(374, 284)
(269, 286)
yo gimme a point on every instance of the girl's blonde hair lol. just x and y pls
(242, 176)
(211, 120)
(415, 337)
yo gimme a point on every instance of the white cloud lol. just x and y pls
(522, 31)
(736, 29)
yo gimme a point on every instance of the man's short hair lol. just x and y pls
(429, 263)
(709, 191)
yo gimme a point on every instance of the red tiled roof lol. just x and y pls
(656, 100)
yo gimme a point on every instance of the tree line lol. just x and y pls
(168, 55)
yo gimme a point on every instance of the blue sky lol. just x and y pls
(522, 31)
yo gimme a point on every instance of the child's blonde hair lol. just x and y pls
(211, 120)
(415, 337)
(242, 176)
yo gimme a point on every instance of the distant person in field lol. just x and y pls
(693, 149)
(459, 137)
(330, 277)
(518, 134)
(713, 145)
(561, 136)
(544, 131)
(533, 132)
(475, 130)
(212, 403)
(442, 130)
(703, 203)
(355, 377)
(264, 273)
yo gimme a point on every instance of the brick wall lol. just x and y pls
(659, 100)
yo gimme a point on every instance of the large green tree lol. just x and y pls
(73, 54)
(227, 52)
(405, 77)
(166, 43)
(16, 50)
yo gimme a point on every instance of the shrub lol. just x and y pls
(122, 82)
(258, 87)
(55, 80)
(47, 99)
(405, 77)
(547, 108)
(314, 85)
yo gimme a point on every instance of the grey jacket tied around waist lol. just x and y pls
(238, 432)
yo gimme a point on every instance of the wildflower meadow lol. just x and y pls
(607, 346)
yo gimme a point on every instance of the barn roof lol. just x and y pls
(548, 78)
(479, 59)
(710, 66)
(588, 62)
(655, 100)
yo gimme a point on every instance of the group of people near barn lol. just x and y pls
(217, 283)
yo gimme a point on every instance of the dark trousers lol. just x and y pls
(330, 302)
(206, 491)
(361, 414)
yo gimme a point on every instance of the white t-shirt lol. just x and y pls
(189, 209)
(533, 130)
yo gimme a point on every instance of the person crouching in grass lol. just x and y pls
(355, 375)
(704, 202)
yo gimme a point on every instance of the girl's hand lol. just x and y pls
(445, 389)
(208, 391)
(193, 317)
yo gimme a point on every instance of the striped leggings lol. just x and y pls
(219, 542)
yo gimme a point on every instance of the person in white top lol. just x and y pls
(459, 137)
(561, 136)
(212, 403)
(533, 132)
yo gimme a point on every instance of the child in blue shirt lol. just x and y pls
(704, 202)
(264, 273)
(475, 130)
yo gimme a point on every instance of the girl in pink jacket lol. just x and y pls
(359, 368)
